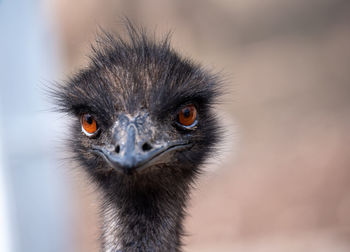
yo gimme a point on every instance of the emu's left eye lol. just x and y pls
(88, 125)
(188, 116)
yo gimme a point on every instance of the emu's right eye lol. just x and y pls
(88, 125)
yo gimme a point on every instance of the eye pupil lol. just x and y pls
(89, 119)
(187, 112)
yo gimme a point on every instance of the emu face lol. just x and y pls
(140, 108)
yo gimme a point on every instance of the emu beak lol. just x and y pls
(131, 152)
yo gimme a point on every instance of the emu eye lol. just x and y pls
(88, 125)
(188, 116)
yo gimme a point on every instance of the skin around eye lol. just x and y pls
(88, 124)
(188, 115)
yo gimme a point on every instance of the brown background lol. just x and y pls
(282, 182)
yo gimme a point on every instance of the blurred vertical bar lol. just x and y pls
(5, 238)
(38, 204)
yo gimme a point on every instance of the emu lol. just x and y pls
(143, 125)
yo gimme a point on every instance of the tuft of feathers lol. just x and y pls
(139, 67)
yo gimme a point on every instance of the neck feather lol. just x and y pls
(145, 217)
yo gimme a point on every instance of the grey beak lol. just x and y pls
(132, 151)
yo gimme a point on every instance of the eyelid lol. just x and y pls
(89, 134)
(185, 104)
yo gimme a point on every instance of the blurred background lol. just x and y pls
(282, 182)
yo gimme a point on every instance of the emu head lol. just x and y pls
(142, 113)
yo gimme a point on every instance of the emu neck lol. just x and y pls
(145, 218)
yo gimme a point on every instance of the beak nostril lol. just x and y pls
(117, 148)
(146, 147)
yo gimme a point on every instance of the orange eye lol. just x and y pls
(88, 124)
(188, 115)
